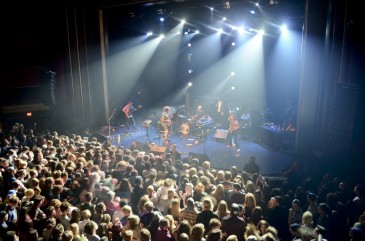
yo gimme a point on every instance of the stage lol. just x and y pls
(212, 146)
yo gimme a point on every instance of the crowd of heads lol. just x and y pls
(71, 187)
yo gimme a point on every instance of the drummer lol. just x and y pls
(200, 114)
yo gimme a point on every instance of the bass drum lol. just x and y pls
(184, 129)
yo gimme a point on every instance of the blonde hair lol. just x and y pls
(250, 200)
(207, 204)
(127, 208)
(133, 221)
(197, 232)
(222, 209)
(74, 227)
(175, 208)
(307, 218)
(251, 229)
(29, 192)
(199, 188)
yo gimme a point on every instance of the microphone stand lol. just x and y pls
(111, 116)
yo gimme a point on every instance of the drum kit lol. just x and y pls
(190, 126)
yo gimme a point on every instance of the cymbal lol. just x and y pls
(182, 116)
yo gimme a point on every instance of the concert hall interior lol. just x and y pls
(289, 71)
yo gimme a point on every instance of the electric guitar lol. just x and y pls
(234, 126)
(129, 113)
(167, 120)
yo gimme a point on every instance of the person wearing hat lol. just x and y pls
(234, 224)
(294, 231)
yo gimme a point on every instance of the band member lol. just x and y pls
(221, 112)
(199, 113)
(234, 128)
(128, 110)
(289, 125)
(166, 121)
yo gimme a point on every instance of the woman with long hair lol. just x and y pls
(256, 216)
(262, 226)
(251, 230)
(183, 227)
(197, 232)
(249, 205)
(133, 224)
(218, 194)
(172, 222)
(124, 189)
(175, 209)
(75, 216)
(220, 177)
(222, 210)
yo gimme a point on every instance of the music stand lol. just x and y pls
(111, 116)
(147, 124)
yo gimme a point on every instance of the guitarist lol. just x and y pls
(128, 110)
(234, 128)
(166, 121)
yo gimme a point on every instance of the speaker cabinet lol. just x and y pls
(101, 138)
(221, 135)
(142, 147)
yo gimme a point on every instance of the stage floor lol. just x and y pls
(271, 160)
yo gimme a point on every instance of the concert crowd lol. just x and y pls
(68, 187)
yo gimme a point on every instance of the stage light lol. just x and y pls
(162, 36)
(186, 32)
(233, 88)
(211, 9)
(257, 4)
(252, 12)
(190, 84)
(233, 44)
(162, 19)
(189, 44)
(197, 32)
(233, 73)
(241, 30)
(227, 5)
(284, 28)
(183, 21)
(224, 19)
(190, 71)
(149, 34)
(261, 32)
(220, 30)
(234, 28)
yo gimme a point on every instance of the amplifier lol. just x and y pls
(221, 135)
(146, 123)
(158, 149)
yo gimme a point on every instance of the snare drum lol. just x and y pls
(184, 129)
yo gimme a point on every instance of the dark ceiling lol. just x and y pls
(134, 17)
